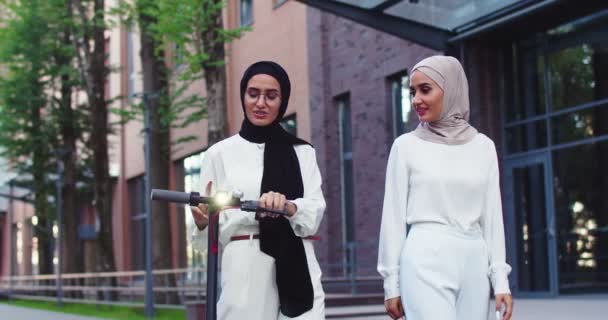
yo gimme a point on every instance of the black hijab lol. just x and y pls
(281, 174)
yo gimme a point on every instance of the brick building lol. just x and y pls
(538, 85)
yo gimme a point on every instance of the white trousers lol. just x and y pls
(444, 274)
(248, 284)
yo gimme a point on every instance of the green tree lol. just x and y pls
(40, 122)
(90, 26)
(72, 124)
(26, 135)
(193, 31)
(196, 29)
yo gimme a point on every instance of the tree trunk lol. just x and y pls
(73, 247)
(43, 230)
(93, 62)
(99, 137)
(215, 80)
(155, 86)
(40, 157)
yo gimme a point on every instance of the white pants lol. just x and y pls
(444, 274)
(248, 284)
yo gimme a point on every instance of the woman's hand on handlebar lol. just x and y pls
(200, 214)
(276, 201)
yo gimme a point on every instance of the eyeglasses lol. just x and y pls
(270, 96)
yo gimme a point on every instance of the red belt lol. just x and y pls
(257, 236)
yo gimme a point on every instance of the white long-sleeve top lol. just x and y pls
(455, 185)
(235, 163)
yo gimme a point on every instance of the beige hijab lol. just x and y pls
(453, 127)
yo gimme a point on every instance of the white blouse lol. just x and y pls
(455, 185)
(237, 164)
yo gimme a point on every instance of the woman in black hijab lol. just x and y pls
(269, 269)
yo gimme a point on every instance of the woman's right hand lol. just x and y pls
(200, 214)
(394, 308)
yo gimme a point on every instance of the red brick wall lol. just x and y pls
(346, 57)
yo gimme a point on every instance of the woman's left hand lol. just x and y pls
(507, 300)
(276, 201)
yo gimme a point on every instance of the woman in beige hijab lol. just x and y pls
(442, 179)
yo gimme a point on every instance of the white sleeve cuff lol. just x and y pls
(296, 216)
(500, 282)
(391, 287)
(300, 221)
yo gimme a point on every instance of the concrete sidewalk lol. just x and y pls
(8, 312)
(579, 307)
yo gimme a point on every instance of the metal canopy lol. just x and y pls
(449, 15)
(370, 13)
(438, 24)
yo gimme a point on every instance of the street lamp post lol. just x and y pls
(59, 229)
(10, 239)
(149, 297)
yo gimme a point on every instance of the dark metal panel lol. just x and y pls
(496, 22)
(502, 26)
(536, 17)
(427, 36)
(385, 5)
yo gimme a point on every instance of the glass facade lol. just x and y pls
(561, 112)
(444, 14)
(530, 225)
(581, 212)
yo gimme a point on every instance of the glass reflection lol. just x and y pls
(581, 186)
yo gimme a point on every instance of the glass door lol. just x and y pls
(530, 226)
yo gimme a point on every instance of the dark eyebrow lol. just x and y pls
(421, 84)
(268, 90)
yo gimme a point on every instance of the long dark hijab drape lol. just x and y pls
(281, 174)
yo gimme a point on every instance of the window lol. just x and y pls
(580, 187)
(192, 172)
(526, 137)
(35, 256)
(278, 3)
(346, 175)
(130, 67)
(246, 12)
(290, 124)
(575, 72)
(403, 119)
(2, 226)
(560, 90)
(137, 209)
(19, 243)
(178, 57)
(107, 66)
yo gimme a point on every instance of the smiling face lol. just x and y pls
(427, 97)
(262, 100)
